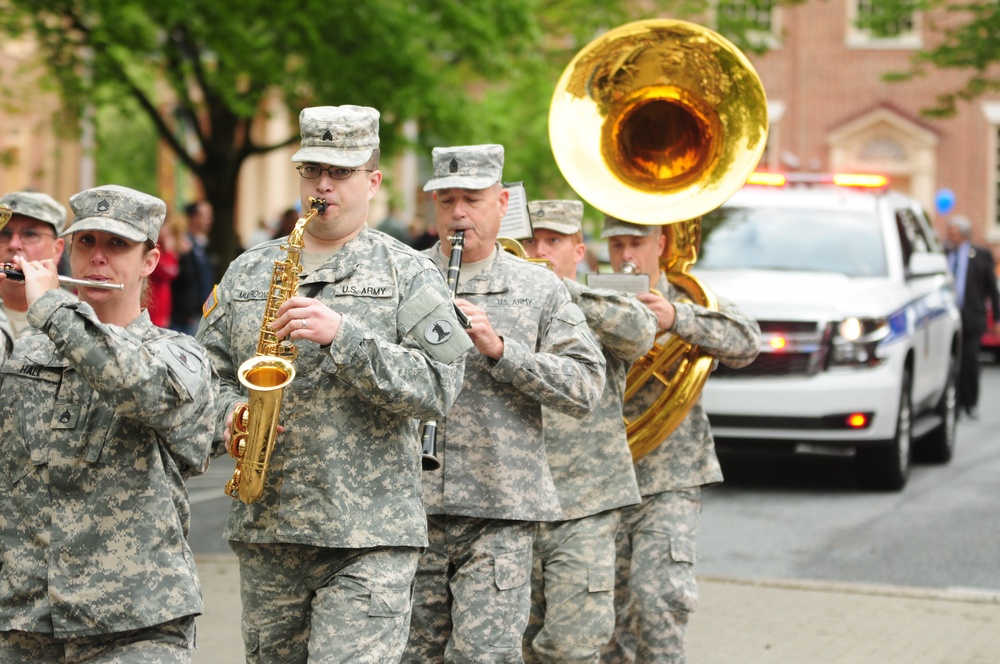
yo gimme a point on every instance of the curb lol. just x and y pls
(946, 595)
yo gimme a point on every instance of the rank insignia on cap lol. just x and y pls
(327, 136)
(211, 302)
(438, 332)
(103, 206)
(453, 166)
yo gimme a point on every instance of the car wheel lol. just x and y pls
(887, 467)
(939, 445)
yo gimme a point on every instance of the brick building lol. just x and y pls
(831, 110)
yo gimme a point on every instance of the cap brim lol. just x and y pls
(612, 232)
(54, 225)
(459, 182)
(107, 225)
(333, 156)
(556, 227)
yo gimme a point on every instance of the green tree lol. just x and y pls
(200, 71)
(123, 153)
(965, 39)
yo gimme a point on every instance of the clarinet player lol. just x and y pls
(328, 553)
(532, 348)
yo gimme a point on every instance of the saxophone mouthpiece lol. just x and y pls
(318, 204)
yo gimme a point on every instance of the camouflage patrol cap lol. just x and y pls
(338, 135)
(37, 206)
(614, 226)
(564, 217)
(113, 209)
(466, 167)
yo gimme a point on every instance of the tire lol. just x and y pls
(939, 445)
(887, 467)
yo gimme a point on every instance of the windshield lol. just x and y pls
(792, 239)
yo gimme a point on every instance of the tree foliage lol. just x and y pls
(202, 71)
(966, 40)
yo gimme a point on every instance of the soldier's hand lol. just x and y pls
(666, 315)
(307, 318)
(39, 277)
(487, 341)
(227, 436)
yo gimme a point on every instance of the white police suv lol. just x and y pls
(859, 326)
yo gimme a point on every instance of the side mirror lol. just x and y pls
(926, 264)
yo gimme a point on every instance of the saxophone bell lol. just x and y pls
(265, 379)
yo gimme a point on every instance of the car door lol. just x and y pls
(931, 298)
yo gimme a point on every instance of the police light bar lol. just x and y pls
(862, 180)
(767, 179)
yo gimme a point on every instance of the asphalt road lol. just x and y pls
(805, 517)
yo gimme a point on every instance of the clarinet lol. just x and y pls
(428, 435)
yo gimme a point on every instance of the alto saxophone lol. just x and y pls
(255, 423)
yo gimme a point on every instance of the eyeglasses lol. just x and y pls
(28, 236)
(312, 171)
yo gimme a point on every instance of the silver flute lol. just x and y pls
(16, 275)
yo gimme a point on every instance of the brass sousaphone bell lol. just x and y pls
(659, 122)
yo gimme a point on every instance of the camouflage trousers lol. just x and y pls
(655, 586)
(472, 593)
(167, 643)
(310, 604)
(572, 590)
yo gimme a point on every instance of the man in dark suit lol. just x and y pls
(975, 281)
(196, 275)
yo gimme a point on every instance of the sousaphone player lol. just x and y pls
(656, 123)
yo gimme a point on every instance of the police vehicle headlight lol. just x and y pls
(855, 340)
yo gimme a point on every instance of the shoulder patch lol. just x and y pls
(438, 331)
(184, 361)
(211, 302)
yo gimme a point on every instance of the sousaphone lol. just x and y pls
(659, 122)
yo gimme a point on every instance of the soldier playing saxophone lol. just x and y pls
(338, 528)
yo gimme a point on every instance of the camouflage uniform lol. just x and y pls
(572, 609)
(494, 480)
(655, 585)
(344, 479)
(6, 335)
(99, 428)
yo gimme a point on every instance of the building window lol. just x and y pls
(995, 174)
(755, 20)
(991, 109)
(867, 27)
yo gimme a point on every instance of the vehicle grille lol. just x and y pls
(804, 353)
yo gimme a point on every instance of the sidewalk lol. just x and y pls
(746, 622)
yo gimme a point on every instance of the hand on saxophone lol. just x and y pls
(487, 341)
(306, 318)
(227, 437)
(666, 315)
